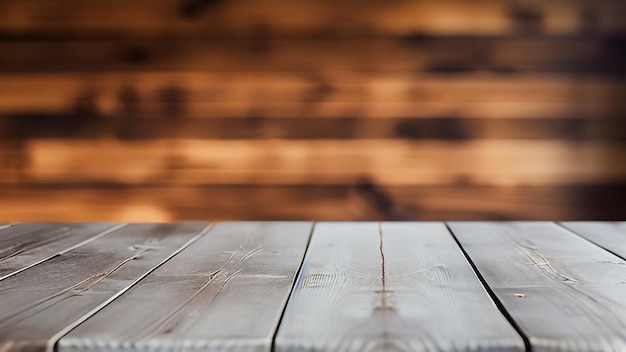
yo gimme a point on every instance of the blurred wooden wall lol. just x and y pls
(312, 109)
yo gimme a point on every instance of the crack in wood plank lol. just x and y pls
(383, 294)
(220, 277)
(546, 263)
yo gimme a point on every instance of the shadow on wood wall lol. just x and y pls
(240, 109)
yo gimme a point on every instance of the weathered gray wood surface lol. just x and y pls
(400, 287)
(363, 286)
(226, 292)
(46, 299)
(25, 245)
(608, 235)
(565, 293)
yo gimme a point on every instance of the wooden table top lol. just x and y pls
(303, 286)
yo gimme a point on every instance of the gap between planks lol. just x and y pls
(494, 297)
(52, 342)
(77, 245)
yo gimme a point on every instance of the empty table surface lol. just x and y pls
(304, 286)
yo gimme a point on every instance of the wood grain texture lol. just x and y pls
(40, 302)
(401, 287)
(25, 245)
(244, 70)
(608, 235)
(226, 292)
(25, 126)
(272, 162)
(249, 18)
(461, 200)
(564, 293)
(428, 54)
(327, 94)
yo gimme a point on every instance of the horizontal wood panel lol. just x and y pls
(480, 93)
(364, 201)
(390, 287)
(504, 55)
(288, 18)
(565, 293)
(336, 94)
(19, 127)
(272, 162)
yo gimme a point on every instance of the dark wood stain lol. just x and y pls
(450, 68)
(193, 9)
(445, 128)
(130, 124)
(173, 99)
(528, 17)
(136, 55)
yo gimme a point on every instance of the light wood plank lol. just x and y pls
(565, 293)
(608, 235)
(40, 302)
(401, 287)
(271, 162)
(226, 292)
(25, 245)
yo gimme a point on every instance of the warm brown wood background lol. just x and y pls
(312, 109)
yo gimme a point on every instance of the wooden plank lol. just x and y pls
(563, 292)
(415, 54)
(25, 245)
(249, 18)
(360, 201)
(272, 162)
(20, 229)
(41, 302)
(390, 286)
(57, 126)
(608, 235)
(162, 203)
(365, 200)
(325, 94)
(225, 292)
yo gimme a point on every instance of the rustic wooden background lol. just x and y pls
(312, 109)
